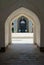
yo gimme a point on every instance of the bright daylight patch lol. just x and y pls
(24, 38)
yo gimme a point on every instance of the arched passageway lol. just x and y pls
(22, 31)
(28, 14)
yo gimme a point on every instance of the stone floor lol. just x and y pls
(22, 54)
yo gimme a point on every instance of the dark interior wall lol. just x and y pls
(8, 6)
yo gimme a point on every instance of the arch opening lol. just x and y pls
(28, 14)
(22, 31)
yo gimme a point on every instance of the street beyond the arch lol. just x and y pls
(22, 38)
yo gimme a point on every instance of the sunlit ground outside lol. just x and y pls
(22, 38)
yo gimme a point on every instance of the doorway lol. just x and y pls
(18, 14)
(22, 31)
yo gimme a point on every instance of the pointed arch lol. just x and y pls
(30, 15)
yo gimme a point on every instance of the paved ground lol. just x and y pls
(22, 54)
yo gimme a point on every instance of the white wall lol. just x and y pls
(6, 34)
